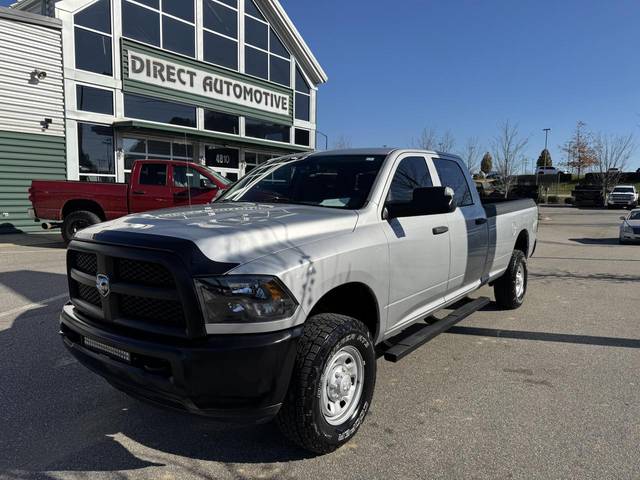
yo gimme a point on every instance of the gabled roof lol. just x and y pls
(292, 38)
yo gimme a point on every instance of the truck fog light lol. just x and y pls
(244, 299)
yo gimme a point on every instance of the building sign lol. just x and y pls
(222, 157)
(163, 73)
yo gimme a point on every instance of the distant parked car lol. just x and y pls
(623, 196)
(630, 228)
(493, 176)
(547, 171)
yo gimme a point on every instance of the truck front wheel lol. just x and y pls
(332, 384)
(76, 221)
(511, 288)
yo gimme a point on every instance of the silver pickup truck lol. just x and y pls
(278, 299)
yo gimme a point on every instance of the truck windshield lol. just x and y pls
(334, 181)
(217, 176)
(623, 190)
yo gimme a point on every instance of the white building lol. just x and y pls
(229, 83)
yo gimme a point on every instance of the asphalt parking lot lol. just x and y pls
(548, 391)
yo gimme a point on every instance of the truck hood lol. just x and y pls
(234, 232)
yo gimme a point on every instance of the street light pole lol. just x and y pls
(546, 136)
(326, 139)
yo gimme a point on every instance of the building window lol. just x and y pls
(140, 23)
(303, 98)
(153, 149)
(267, 130)
(96, 100)
(220, 35)
(169, 24)
(253, 159)
(221, 122)
(95, 151)
(265, 54)
(178, 36)
(153, 110)
(302, 137)
(93, 38)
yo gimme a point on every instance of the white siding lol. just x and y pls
(24, 103)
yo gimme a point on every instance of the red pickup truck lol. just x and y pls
(154, 184)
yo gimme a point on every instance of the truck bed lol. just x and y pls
(50, 196)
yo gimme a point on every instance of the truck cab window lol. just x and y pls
(411, 173)
(185, 177)
(451, 176)
(153, 174)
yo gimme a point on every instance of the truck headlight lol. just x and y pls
(244, 299)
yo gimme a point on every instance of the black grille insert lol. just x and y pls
(158, 312)
(143, 273)
(89, 294)
(85, 262)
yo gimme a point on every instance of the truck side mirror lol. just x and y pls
(426, 201)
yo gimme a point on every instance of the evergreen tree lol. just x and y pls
(487, 163)
(544, 160)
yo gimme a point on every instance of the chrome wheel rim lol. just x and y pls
(342, 385)
(520, 281)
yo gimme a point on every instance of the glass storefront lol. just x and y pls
(142, 148)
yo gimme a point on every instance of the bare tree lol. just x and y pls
(612, 154)
(579, 149)
(508, 149)
(342, 143)
(428, 139)
(447, 142)
(471, 153)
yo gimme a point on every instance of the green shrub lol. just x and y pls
(569, 200)
(552, 199)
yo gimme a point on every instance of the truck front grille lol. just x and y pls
(143, 295)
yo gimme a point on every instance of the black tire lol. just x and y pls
(301, 419)
(505, 288)
(76, 221)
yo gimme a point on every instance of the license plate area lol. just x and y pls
(105, 349)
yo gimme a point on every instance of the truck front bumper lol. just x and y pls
(242, 378)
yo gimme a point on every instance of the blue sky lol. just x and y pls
(465, 66)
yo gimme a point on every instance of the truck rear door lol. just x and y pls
(149, 189)
(467, 226)
(418, 246)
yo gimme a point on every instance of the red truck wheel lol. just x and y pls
(76, 221)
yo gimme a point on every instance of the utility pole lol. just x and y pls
(326, 139)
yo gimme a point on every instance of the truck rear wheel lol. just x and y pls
(332, 383)
(76, 221)
(511, 288)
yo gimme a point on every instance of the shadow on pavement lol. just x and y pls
(547, 337)
(595, 241)
(40, 240)
(603, 277)
(56, 416)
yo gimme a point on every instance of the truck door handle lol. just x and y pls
(138, 192)
(440, 230)
(481, 221)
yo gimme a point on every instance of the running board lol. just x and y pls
(401, 346)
